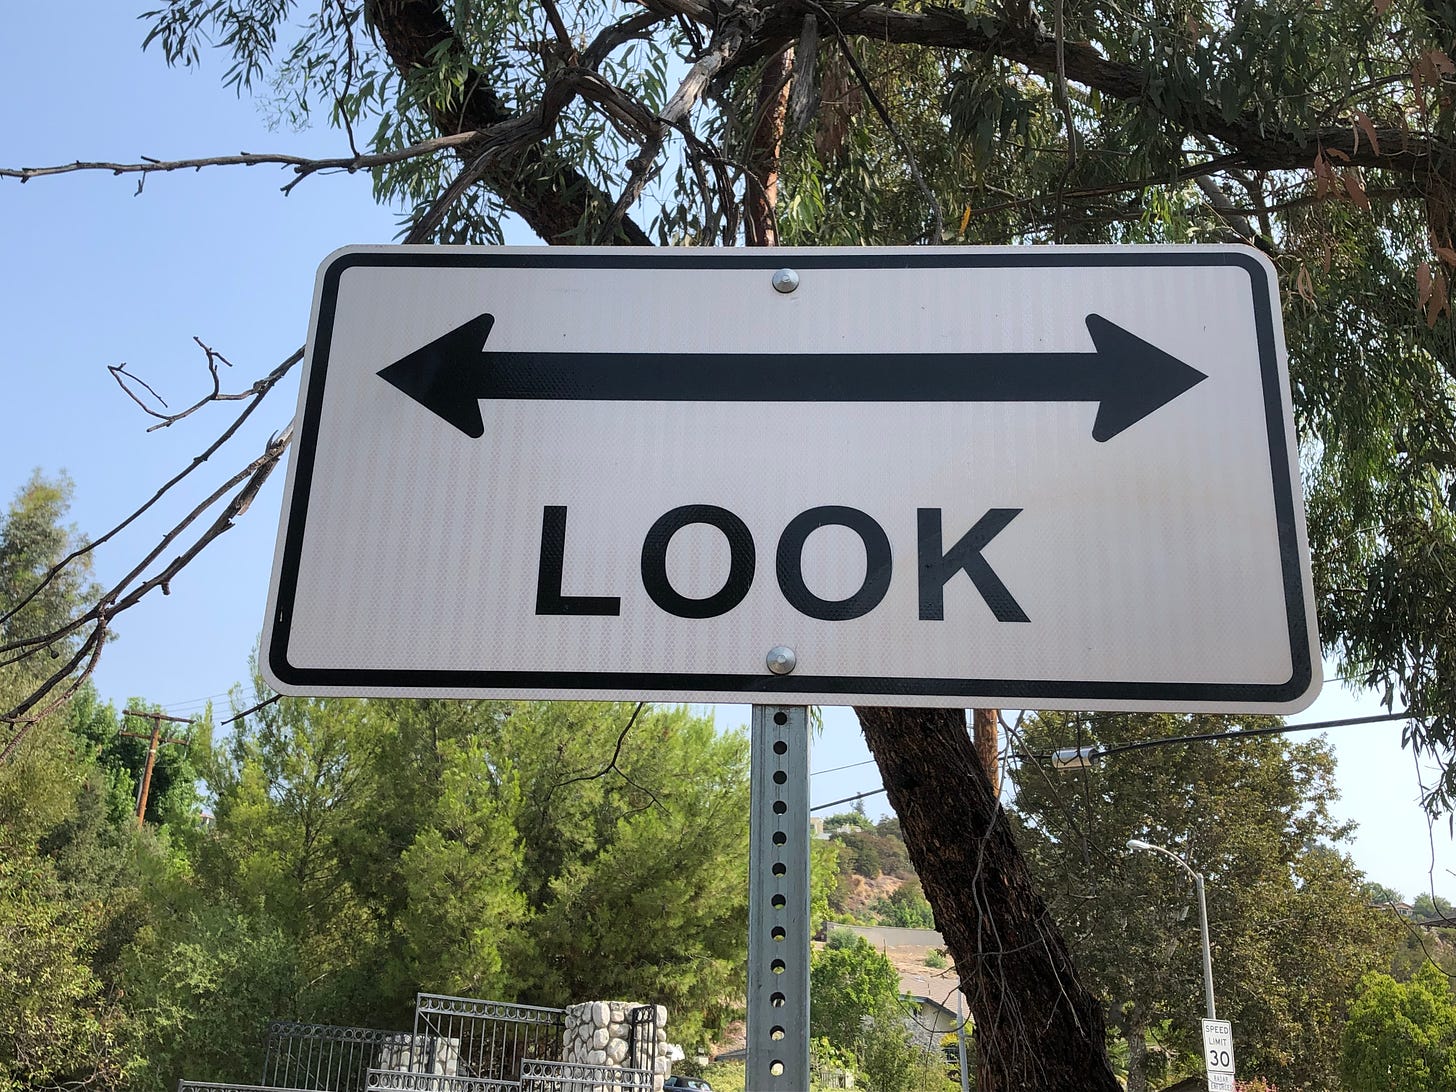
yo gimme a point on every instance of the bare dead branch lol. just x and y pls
(109, 607)
(568, 84)
(351, 65)
(262, 387)
(92, 647)
(761, 189)
(558, 27)
(254, 708)
(303, 166)
(610, 767)
(118, 598)
(619, 33)
(121, 375)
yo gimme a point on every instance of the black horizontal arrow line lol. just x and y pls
(1128, 377)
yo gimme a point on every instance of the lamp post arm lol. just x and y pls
(1138, 843)
(1179, 861)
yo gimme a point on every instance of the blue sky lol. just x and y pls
(95, 274)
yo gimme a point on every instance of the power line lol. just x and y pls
(174, 705)
(836, 769)
(847, 799)
(1203, 737)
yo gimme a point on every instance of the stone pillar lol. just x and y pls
(597, 1033)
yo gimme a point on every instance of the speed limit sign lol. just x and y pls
(1218, 1054)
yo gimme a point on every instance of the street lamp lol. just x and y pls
(1138, 843)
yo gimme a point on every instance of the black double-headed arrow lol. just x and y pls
(1126, 376)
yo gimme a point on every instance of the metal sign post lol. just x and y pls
(778, 900)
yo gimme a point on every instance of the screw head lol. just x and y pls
(781, 660)
(785, 280)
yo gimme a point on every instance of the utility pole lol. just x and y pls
(156, 739)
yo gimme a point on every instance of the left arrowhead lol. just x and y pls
(1141, 377)
(444, 375)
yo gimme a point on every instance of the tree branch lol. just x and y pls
(1258, 146)
(553, 197)
(303, 166)
(262, 387)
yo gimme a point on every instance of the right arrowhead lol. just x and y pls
(444, 375)
(1141, 378)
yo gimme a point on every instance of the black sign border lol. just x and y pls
(754, 687)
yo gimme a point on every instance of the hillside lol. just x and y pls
(877, 884)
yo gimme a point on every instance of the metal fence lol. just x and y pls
(539, 1076)
(392, 1080)
(329, 1058)
(484, 1039)
(642, 1037)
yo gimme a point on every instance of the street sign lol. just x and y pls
(1028, 477)
(1218, 1055)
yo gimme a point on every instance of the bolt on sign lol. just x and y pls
(1046, 477)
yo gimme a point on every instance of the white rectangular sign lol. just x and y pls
(1029, 477)
(1218, 1055)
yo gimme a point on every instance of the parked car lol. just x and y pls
(695, 1084)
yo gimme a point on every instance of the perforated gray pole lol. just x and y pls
(778, 900)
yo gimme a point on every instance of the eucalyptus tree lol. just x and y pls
(1319, 132)
(70, 883)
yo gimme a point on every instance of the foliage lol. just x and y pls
(1428, 907)
(892, 1062)
(511, 860)
(906, 907)
(848, 820)
(855, 1011)
(1419, 946)
(1291, 932)
(871, 850)
(1379, 894)
(874, 851)
(201, 983)
(824, 879)
(70, 879)
(1401, 1036)
(361, 851)
(60, 1025)
(849, 982)
(33, 542)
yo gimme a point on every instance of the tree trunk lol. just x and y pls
(761, 190)
(1137, 1056)
(987, 724)
(1037, 1029)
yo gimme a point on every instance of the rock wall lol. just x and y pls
(598, 1033)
